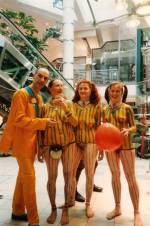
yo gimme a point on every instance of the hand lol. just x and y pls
(100, 155)
(51, 122)
(60, 102)
(40, 154)
(125, 131)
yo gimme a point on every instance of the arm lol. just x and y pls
(98, 115)
(24, 115)
(68, 109)
(131, 122)
(70, 116)
(103, 111)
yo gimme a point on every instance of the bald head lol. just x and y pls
(40, 79)
(43, 71)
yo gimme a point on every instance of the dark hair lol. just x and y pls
(50, 84)
(125, 91)
(94, 97)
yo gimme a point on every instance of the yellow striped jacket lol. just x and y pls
(122, 117)
(89, 117)
(62, 133)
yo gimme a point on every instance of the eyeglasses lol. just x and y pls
(42, 76)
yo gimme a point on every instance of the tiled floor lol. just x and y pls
(101, 202)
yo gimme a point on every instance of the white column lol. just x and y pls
(68, 39)
(88, 68)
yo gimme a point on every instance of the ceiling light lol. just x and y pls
(143, 9)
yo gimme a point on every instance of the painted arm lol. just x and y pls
(70, 115)
(131, 120)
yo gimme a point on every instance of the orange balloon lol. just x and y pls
(108, 137)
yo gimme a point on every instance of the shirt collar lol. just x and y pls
(117, 105)
(83, 103)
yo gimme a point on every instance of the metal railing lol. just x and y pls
(35, 52)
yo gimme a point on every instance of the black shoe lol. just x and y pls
(4, 155)
(22, 217)
(1, 196)
(97, 189)
(79, 197)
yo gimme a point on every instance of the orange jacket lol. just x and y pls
(22, 125)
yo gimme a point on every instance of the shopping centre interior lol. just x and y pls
(98, 40)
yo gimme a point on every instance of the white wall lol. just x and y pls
(46, 5)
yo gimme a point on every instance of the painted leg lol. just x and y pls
(113, 162)
(90, 155)
(128, 161)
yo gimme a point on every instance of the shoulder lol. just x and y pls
(128, 109)
(75, 104)
(96, 106)
(126, 106)
(20, 93)
(69, 102)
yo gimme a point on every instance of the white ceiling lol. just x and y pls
(110, 23)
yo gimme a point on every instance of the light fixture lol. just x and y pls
(143, 9)
(133, 21)
(121, 4)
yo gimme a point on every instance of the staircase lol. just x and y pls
(17, 65)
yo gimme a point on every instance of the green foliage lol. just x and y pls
(51, 32)
(26, 25)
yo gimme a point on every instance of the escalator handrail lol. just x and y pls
(17, 30)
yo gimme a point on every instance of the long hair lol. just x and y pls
(124, 90)
(94, 97)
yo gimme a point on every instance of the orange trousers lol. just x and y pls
(24, 194)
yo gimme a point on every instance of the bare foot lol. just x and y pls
(64, 217)
(137, 220)
(52, 217)
(115, 213)
(89, 212)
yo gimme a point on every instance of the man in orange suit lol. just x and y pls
(20, 135)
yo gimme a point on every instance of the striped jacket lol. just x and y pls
(62, 133)
(89, 117)
(122, 117)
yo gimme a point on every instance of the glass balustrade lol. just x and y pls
(19, 60)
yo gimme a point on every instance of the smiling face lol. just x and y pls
(40, 79)
(115, 93)
(84, 91)
(56, 88)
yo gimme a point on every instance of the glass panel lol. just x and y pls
(13, 67)
(108, 63)
(142, 116)
(23, 58)
(79, 68)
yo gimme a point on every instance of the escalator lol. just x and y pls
(18, 63)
